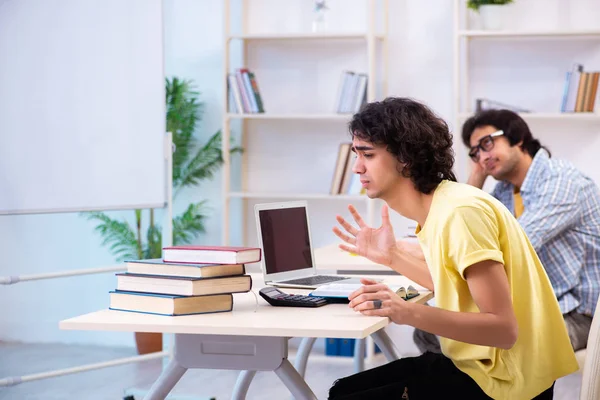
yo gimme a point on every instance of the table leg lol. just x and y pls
(294, 382)
(359, 355)
(242, 385)
(166, 381)
(302, 356)
(386, 345)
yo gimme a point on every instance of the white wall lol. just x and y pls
(35, 244)
(420, 65)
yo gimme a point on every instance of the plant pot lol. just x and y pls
(495, 17)
(148, 342)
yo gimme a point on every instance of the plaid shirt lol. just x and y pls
(562, 221)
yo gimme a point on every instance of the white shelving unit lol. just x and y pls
(463, 37)
(527, 34)
(371, 39)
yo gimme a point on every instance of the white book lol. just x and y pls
(340, 93)
(350, 95)
(244, 94)
(235, 93)
(248, 89)
(341, 291)
(361, 92)
(573, 88)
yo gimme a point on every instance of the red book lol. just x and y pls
(211, 254)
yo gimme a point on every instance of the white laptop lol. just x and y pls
(287, 254)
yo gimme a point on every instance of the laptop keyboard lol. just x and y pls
(315, 280)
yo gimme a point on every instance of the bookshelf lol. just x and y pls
(544, 41)
(244, 46)
(529, 34)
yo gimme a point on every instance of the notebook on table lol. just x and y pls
(285, 242)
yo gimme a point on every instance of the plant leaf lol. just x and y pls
(205, 163)
(117, 235)
(189, 224)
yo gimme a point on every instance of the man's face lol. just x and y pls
(501, 159)
(378, 169)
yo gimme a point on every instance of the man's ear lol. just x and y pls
(401, 167)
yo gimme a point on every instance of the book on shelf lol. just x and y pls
(580, 90)
(487, 104)
(344, 180)
(211, 254)
(183, 286)
(243, 90)
(157, 266)
(167, 304)
(344, 152)
(352, 92)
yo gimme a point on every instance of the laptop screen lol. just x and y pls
(285, 239)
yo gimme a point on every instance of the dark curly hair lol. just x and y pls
(515, 129)
(414, 134)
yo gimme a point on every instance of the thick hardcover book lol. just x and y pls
(211, 254)
(157, 266)
(183, 286)
(164, 304)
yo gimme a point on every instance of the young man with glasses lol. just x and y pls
(488, 281)
(556, 204)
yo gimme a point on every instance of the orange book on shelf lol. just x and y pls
(580, 101)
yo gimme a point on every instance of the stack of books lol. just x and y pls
(244, 95)
(580, 90)
(352, 92)
(188, 280)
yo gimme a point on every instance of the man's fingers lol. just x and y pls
(385, 215)
(348, 248)
(372, 289)
(352, 230)
(367, 281)
(382, 312)
(356, 216)
(365, 297)
(343, 236)
(373, 305)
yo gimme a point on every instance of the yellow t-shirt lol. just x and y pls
(465, 226)
(518, 201)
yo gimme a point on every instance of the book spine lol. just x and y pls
(254, 84)
(249, 91)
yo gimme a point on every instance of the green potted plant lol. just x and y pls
(493, 14)
(192, 163)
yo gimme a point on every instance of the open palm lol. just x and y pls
(374, 244)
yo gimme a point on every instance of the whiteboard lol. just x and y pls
(82, 105)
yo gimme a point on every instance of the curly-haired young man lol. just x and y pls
(502, 332)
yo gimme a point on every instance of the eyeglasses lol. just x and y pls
(486, 143)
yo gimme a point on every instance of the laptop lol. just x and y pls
(287, 253)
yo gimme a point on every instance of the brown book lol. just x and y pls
(593, 91)
(157, 266)
(182, 285)
(345, 186)
(340, 166)
(165, 304)
(580, 101)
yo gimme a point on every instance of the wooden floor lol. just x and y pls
(110, 383)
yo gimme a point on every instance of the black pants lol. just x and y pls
(429, 376)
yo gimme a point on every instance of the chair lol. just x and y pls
(590, 383)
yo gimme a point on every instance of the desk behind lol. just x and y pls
(332, 258)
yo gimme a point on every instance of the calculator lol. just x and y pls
(276, 297)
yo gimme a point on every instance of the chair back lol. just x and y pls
(590, 384)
